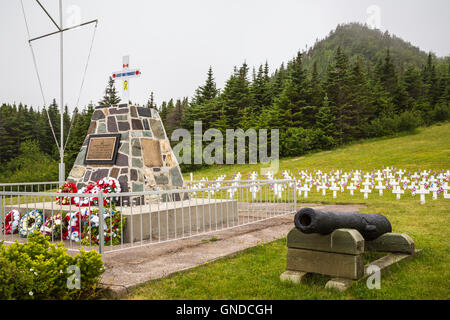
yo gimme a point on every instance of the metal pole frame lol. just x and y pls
(61, 31)
(101, 227)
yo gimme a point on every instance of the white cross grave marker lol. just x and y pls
(380, 188)
(125, 74)
(334, 188)
(393, 183)
(404, 182)
(351, 187)
(342, 184)
(305, 190)
(434, 189)
(366, 190)
(422, 191)
(445, 187)
(432, 179)
(415, 176)
(324, 188)
(355, 179)
(425, 173)
(379, 178)
(412, 186)
(398, 191)
(367, 183)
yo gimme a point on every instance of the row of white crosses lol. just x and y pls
(422, 182)
(396, 181)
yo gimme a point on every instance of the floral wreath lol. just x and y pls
(11, 222)
(84, 201)
(108, 185)
(30, 222)
(113, 223)
(54, 226)
(68, 187)
(75, 222)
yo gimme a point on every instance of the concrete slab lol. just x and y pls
(132, 267)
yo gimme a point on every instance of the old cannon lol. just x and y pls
(334, 244)
(371, 226)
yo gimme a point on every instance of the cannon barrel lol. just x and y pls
(371, 226)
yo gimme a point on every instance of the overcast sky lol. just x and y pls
(174, 42)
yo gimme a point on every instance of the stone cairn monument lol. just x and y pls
(128, 143)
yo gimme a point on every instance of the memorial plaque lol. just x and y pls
(152, 153)
(102, 149)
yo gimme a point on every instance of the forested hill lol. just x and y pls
(357, 83)
(358, 40)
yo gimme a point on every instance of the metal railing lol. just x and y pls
(110, 222)
(29, 186)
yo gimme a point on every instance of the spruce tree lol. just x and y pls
(236, 96)
(111, 97)
(151, 101)
(325, 119)
(338, 92)
(208, 91)
(292, 100)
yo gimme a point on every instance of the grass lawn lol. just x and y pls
(254, 273)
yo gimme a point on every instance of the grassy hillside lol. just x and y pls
(254, 273)
(428, 148)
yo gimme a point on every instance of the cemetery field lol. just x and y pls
(254, 273)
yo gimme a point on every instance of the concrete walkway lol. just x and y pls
(129, 268)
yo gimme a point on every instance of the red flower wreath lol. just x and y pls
(68, 187)
(11, 223)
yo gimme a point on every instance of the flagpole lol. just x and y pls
(61, 151)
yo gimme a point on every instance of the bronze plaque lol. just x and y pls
(152, 153)
(102, 149)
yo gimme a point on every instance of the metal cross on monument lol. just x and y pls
(125, 74)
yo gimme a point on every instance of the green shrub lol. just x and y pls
(441, 112)
(26, 167)
(387, 126)
(298, 141)
(374, 129)
(15, 280)
(407, 121)
(39, 270)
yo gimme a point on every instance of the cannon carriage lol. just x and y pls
(334, 243)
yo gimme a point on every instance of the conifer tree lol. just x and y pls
(111, 97)
(236, 96)
(338, 91)
(151, 101)
(208, 91)
(292, 100)
(325, 119)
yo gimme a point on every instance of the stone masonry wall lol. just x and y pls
(145, 160)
